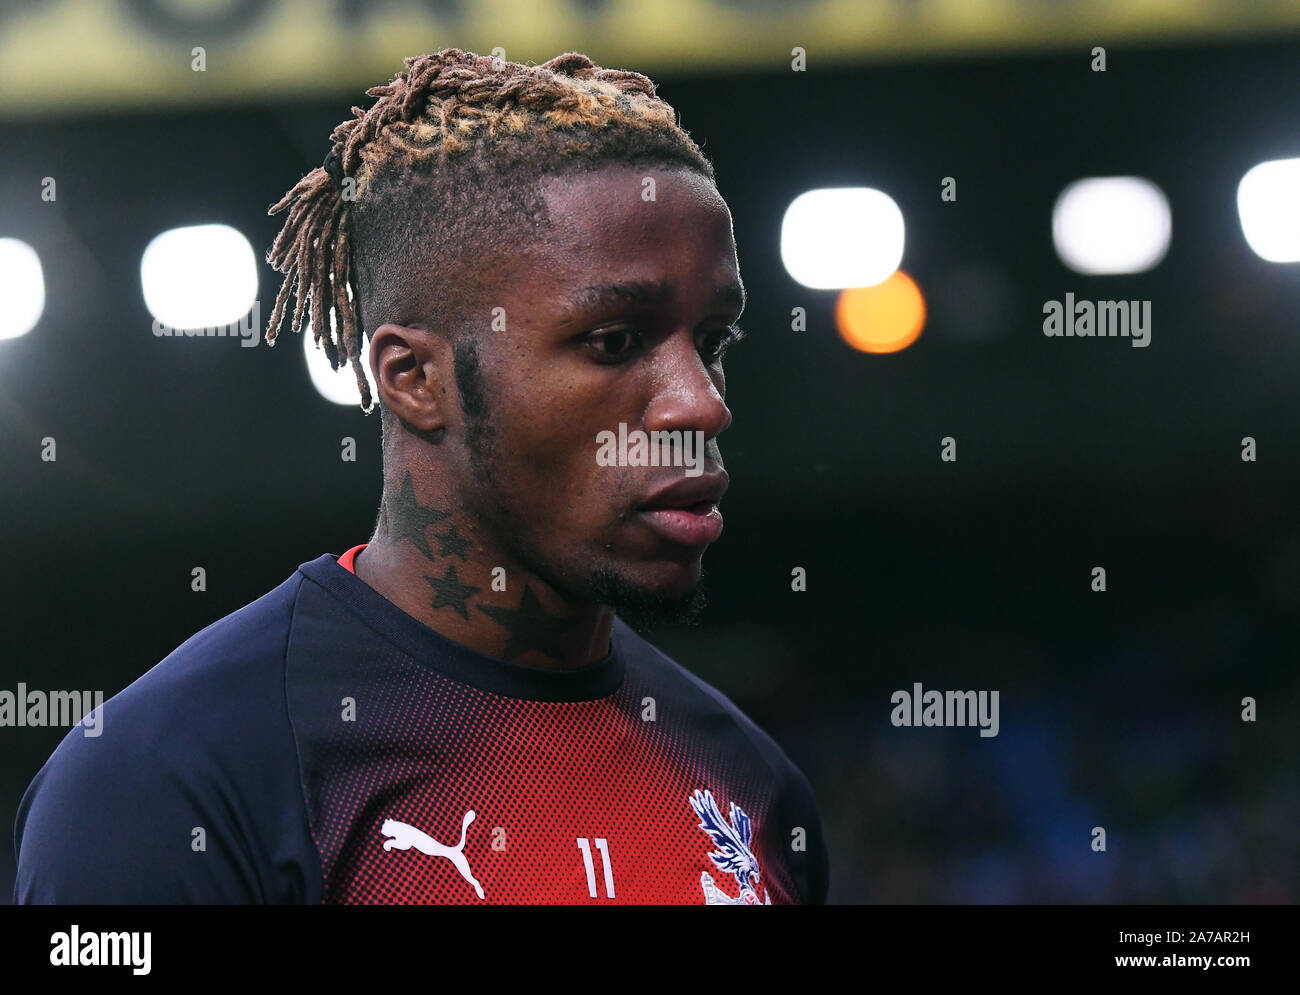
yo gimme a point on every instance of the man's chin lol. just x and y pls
(645, 608)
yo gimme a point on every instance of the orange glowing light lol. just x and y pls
(885, 318)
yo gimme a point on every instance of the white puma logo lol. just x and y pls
(403, 837)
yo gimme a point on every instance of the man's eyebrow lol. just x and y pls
(639, 292)
(644, 293)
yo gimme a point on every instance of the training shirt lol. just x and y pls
(319, 745)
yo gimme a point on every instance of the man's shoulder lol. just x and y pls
(216, 670)
(217, 690)
(200, 740)
(711, 707)
(711, 714)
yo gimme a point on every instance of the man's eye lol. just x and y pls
(616, 346)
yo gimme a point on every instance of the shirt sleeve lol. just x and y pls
(109, 821)
(812, 866)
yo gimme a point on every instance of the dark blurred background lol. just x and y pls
(1119, 709)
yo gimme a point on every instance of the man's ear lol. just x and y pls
(412, 367)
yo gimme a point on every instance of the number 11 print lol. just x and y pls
(602, 845)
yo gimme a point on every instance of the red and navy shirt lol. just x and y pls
(322, 746)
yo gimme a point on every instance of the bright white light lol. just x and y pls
(338, 386)
(842, 237)
(1111, 224)
(198, 277)
(22, 288)
(1268, 203)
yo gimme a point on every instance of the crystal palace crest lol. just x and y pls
(732, 856)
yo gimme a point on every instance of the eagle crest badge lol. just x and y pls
(733, 856)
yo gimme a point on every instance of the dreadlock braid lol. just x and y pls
(428, 198)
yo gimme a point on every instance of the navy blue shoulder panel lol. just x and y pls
(190, 793)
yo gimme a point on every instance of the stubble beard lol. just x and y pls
(646, 609)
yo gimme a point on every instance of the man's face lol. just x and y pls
(616, 315)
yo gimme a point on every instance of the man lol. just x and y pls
(452, 712)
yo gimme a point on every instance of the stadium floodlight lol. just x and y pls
(839, 237)
(198, 277)
(22, 288)
(1111, 224)
(1268, 204)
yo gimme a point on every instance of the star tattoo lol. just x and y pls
(452, 543)
(529, 627)
(405, 517)
(449, 592)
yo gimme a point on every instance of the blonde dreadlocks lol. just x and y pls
(447, 157)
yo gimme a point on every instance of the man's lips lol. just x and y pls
(686, 511)
(697, 525)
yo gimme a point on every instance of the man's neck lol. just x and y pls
(437, 570)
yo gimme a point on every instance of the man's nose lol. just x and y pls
(687, 397)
